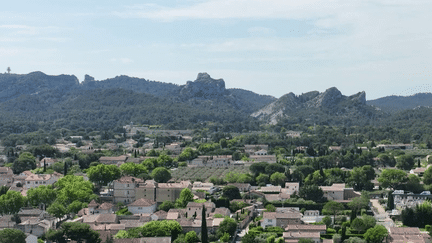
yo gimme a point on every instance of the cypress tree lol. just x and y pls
(44, 166)
(65, 169)
(204, 233)
(390, 201)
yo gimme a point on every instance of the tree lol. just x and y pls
(361, 178)
(272, 168)
(358, 203)
(390, 201)
(191, 237)
(41, 195)
(228, 225)
(333, 207)
(74, 188)
(231, 192)
(427, 176)
(166, 206)
(25, 161)
(358, 225)
(376, 234)
(11, 202)
(103, 174)
(12, 235)
(161, 174)
(405, 162)
(225, 237)
(327, 221)
(79, 232)
(277, 178)
(132, 169)
(57, 209)
(160, 228)
(3, 190)
(204, 231)
(392, 178)
(186, 196)
(311, 192)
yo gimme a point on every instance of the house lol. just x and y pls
(293, 134)
(395, 146)
(205, 186)
(243, 187)
(403, 200)
(406, 234)
(260, 152)
(160, 192)
(194, 209)
(212, 161)
(124, 189)
(294, 236)
(251, 149)
(35, 180)
(419, 170)
(47, 162)
(35, 226)
(271, 189)
(281, 219)
(142, 206)
(263, 158)
(338, 192)
(104, 208)
(321, 228)
(6, 176)
(113, 160)
(174, 148)
(291, 188)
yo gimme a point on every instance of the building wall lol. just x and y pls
(140, 210)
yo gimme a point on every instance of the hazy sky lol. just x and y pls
(273, 47)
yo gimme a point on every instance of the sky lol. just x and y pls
(273, 47)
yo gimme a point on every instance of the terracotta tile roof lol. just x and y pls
(142, 202)
(106, 206)
(129, 179)
(161, 214)
(106, 218)
(298, 234)
(303, 227)
(172, 215)
(93, 203)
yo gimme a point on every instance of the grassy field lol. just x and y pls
(204, 173)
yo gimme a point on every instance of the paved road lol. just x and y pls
(380, 214)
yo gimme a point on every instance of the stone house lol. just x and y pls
(142, 206)
(252, 148)
(160, 192)
(281, 219)
(338, 192)
(104, 208)
(35, 180)
(124, 189)
(212, 161)
(194, 209)
(6, 176)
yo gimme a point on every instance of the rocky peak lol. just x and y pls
(204, 87)
(88, 78)
(330, 97)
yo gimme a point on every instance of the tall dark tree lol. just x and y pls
(204, 232)
(390, 201)
(65, 168)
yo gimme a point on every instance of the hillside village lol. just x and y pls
(122, 189)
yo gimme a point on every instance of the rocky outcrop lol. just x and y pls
(204, 87)
(329, 102)
(15, 85)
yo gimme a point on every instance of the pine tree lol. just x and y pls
(204, 233)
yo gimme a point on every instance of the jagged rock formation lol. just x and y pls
(15, 85)
(330, 102)
(204, 87)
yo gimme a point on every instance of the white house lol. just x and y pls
(142, 206)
